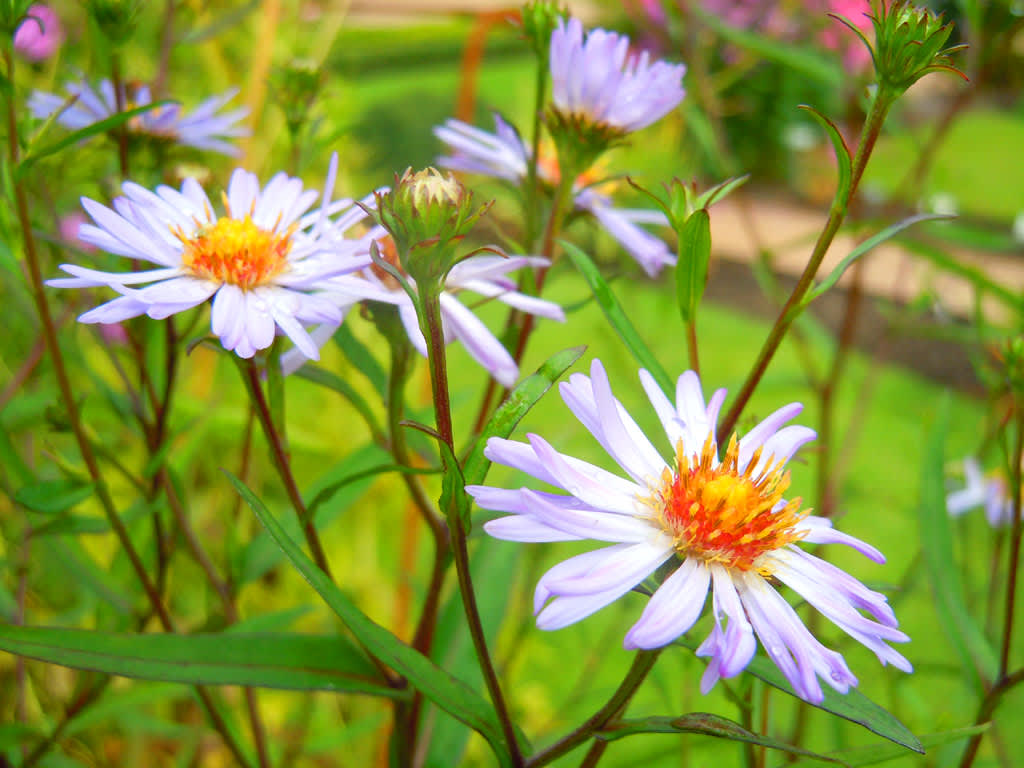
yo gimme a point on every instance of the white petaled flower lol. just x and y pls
(264, 263)
(485, 275)
(504, 155)
(720, 520)
(596, 79)
(989, 492)
(202, 128)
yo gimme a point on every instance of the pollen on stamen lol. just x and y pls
(236, 251)
(717, 513)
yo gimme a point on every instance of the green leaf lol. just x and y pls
(862, 249)
(332, 381)
(449, 693)
(517, 405)
(53, 496)
(882, 753)
(815, 66)
(293, 662)
(617, 317)
(100, 126)
(937, 545)
(708, 725)
(842, 152)
(328, 491)
(692, 265)
(853, 706)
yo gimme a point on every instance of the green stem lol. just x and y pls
(532, 191)
(642, 664)
(985, 712)
(430, 324)
(1013, 552)
(793, 306)
(283, 465)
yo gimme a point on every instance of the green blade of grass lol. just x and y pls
(295, 662)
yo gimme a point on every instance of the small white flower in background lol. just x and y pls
(595, 79)
(943, 204)
(1018, 227)
(721, 521)
(202, 128)
(485, 275)
(990, 492)
(504, 155)
(264, 263)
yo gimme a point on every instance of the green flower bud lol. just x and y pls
(427, 215)
(116, 19)
(908, 44)
(296, 86)
(539, 20)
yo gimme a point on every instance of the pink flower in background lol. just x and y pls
(69, 226)
(836, 37)
(40, 34)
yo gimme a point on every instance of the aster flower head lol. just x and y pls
(720, 519)
(504, 155)
(601, 91)
(202, 128)
(263, 263)
(40, 34)
(990, 492)
(485, 274)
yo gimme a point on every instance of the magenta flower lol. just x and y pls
(719, 519)
(40, 34)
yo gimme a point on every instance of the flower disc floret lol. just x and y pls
(718, 513)
(236, 251)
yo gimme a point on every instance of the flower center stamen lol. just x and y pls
(236, 251)
(717, 513)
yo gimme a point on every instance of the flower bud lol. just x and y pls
(908, 44)
(116, 19)
(540, 18)
(296, 86)
(427, 214)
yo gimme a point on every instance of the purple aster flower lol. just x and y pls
(990, 492)
(504, 155)
(201, 128)
(484, 275)
(264, 263)
(721, 521)
(597, 80)
(40, 34)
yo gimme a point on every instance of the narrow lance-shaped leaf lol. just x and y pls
(100, 126)
(295, 662)
(692, 265)
(863, 248)
(53, 496)
(937, 545)
(617, 317)
(842, 153)
(709, 725)
(450, 694)
(853, 706)
(517, 404)
(883, 753)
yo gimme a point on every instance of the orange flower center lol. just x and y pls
(236, 251)
(719, 514)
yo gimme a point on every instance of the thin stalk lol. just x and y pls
(691, 346)
(166, 44)
(1013, 552)
(642, 663)
(122, 130)
(985, 712)
(532, 186)
(869, 135)
(430, 323)
(283, 466)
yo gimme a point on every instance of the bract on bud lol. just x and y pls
(908, 43)
(539, 20)
(13, 14)
(427, 214)
(116, 19)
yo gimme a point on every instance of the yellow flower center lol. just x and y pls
(718, 514)
(236, 251)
